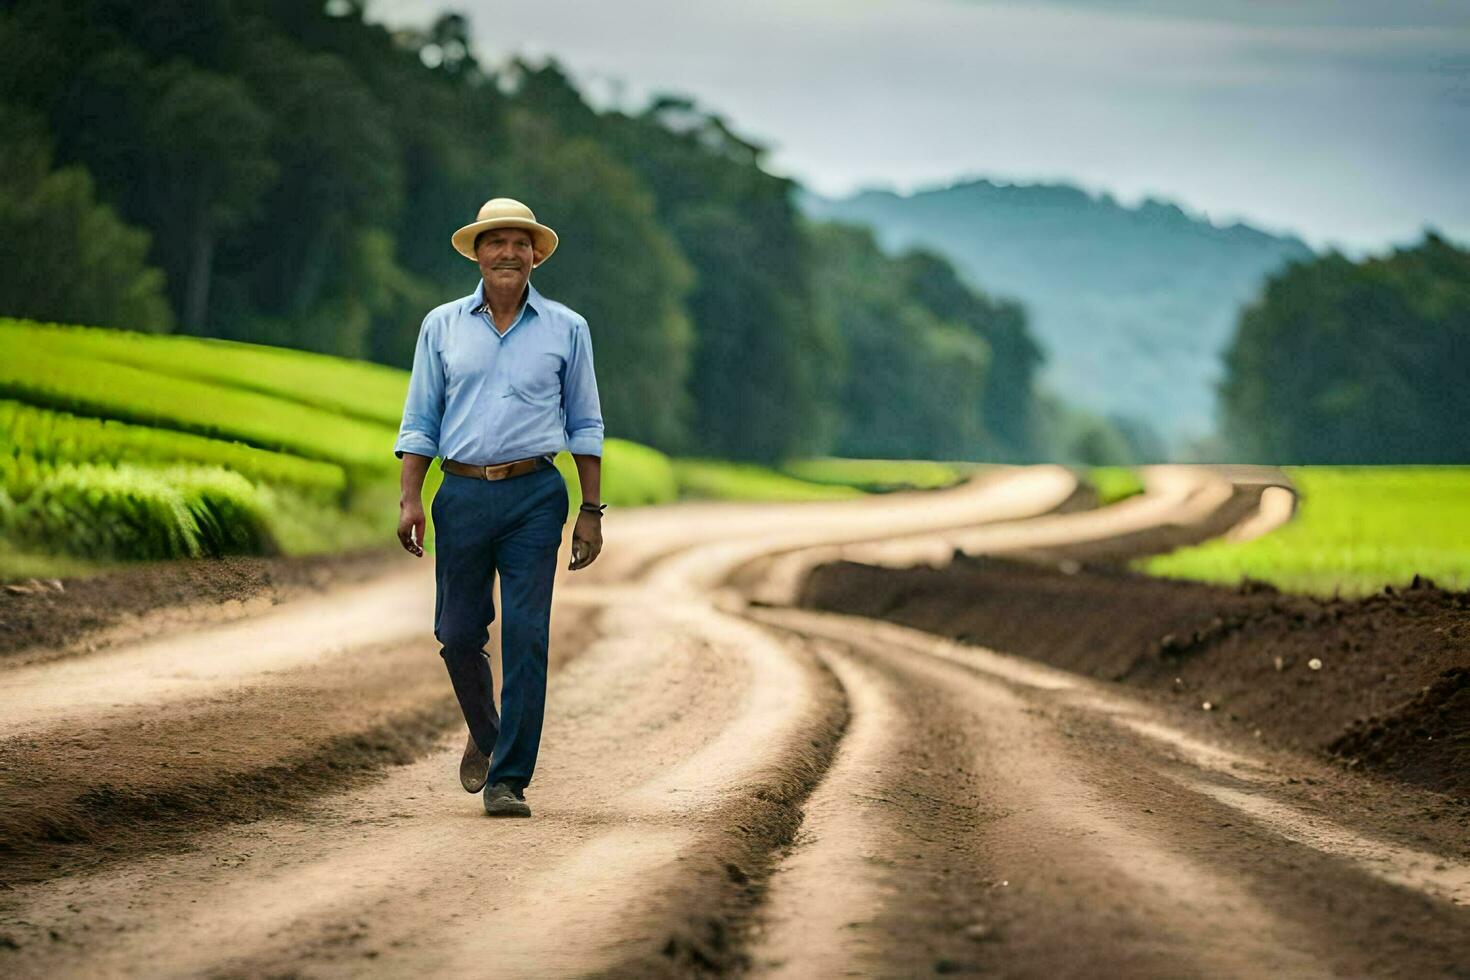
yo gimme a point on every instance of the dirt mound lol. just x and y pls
(54, 613)
(107, 821)
(1427, 737)
(1378, 682)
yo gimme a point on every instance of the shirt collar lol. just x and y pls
(478, 304)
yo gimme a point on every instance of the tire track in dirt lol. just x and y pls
(1089, 815)
(1181, 504)
(396, 871)
(731, 771)
(89, 791)
(1044, 856)
(681, 744)
(154, 673)
(877, 849)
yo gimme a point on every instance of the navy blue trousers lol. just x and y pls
(512, 527)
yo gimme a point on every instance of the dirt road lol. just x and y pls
(724, 785)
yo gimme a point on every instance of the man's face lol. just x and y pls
(505, 256)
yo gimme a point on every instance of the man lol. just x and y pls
(502, 381)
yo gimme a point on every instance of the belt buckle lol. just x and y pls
(501, 470)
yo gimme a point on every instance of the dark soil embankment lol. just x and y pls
(53, 613)
(1390, 692)
(52, 828)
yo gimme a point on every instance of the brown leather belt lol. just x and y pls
(496, 471)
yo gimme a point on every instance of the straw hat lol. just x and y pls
(503, 212)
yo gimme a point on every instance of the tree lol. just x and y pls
(1009, 402)
(63, 255)
(1072, 435)
(763, 378)
(207, 170)
(617, 267)
(300, 171)
(912, 382)
(175, 147)
(1343, 362)
(339, 165)
(762, 368)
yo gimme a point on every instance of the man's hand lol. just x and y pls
(586, 540)
(411, 527)
(411, 503)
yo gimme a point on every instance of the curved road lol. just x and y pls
(725, 785)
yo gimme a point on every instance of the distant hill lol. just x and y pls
(1133, 304)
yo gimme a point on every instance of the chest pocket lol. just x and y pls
(538, 379)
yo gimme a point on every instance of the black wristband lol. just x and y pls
(593, 508)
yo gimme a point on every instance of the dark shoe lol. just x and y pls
(474, 768)
(502, 801)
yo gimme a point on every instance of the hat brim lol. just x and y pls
(543, 239)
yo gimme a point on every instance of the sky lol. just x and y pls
(1345, 122)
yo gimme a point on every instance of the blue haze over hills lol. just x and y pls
(1133, 305)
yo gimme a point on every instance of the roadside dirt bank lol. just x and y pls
(1390, 692)
(1223, 507)
(94, 612)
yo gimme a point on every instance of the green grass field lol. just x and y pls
(340, 386)
(59, 437)
(1113, 483)
(1357, 529)
(45, 378)
(119, 446)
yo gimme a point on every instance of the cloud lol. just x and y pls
(1281, 13)
(1340, 121)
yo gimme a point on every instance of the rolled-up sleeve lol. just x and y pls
(579, 396)
(423, 409)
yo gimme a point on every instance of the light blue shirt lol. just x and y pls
(481, 397)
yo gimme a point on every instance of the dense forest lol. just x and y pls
(1351, 362)
(287, 173)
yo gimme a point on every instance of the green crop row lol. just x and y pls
(132, 512)
(58, 437)
(107, 390)
(1356, 530)
(359, 389)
